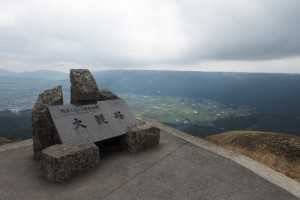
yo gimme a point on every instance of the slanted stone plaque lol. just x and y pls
(87, 124)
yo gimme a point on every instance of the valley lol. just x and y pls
(198, 103)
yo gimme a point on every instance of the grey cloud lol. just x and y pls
(248, 30)
(147, 33)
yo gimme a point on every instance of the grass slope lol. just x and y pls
(4, 140)
(278, 151)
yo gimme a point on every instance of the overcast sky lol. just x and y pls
(210, 35)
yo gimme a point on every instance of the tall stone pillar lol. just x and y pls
(84, 89)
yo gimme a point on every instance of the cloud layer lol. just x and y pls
(169, 34)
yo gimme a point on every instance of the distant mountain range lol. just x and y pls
(279, 93)
(274, 99)
(40, 74)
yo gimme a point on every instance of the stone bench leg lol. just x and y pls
(142, 137)
(61, 162)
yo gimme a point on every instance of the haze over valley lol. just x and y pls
(200, 103)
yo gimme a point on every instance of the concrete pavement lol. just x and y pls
(177, 170)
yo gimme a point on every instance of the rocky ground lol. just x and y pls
(4, 140)
(279, 151)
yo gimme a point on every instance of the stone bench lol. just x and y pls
(61, 162)
(141, 137)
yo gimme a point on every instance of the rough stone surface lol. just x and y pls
(141, 137)
(106, 95)
(61, 162)
(84, 89)
(44, 133)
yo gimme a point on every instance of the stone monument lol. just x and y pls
(64, 136)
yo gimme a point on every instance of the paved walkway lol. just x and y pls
(177, 169)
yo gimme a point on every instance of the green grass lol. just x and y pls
(177, 110)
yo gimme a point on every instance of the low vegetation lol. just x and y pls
(4, 140)
(278, 151)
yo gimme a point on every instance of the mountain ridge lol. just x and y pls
(38, 74)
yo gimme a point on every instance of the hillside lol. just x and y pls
(36, 75)
(15, 126)
(278, 151)
(4, 140)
